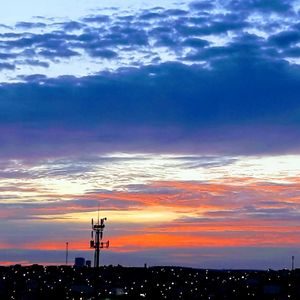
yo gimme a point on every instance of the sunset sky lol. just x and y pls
(180, 120)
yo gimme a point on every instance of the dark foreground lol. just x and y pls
(63, 282)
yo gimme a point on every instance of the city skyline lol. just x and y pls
(180, 121)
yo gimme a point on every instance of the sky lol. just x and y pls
(179, 120)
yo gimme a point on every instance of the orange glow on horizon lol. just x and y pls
(127, 243)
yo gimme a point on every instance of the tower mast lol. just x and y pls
(67, 252)
(97, 235)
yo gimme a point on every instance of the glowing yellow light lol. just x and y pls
(153, 214)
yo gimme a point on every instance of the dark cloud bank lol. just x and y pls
(236, 107)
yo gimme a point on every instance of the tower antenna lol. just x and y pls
(98, 212)
(67, 252)
(96, 241)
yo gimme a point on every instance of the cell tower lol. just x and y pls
(97, 235)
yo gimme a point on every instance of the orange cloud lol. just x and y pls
(224, 195)
(56, 245)
(148, 240)
(143, 241)
(231, 213)
(10, 263)
(6, 246)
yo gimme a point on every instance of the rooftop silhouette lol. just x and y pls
(66, 282)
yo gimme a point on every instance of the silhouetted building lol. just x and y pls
(79, 262)
(88, 263)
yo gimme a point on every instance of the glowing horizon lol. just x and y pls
(256, 206)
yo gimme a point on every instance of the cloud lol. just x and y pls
(199, 201)
(202, 5)
(96, 19)
(195, 42)
(262, 6)
(103, 53)
(285, 38)
(7, 66)
(150, 15)
(5, 56)
(58, 53)
(34, 62)
(72, 25)
(137, 38)
(30, 25)
(5, 26)
(235, 107)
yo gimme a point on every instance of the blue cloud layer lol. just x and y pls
(226, 109)
(186, 34)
